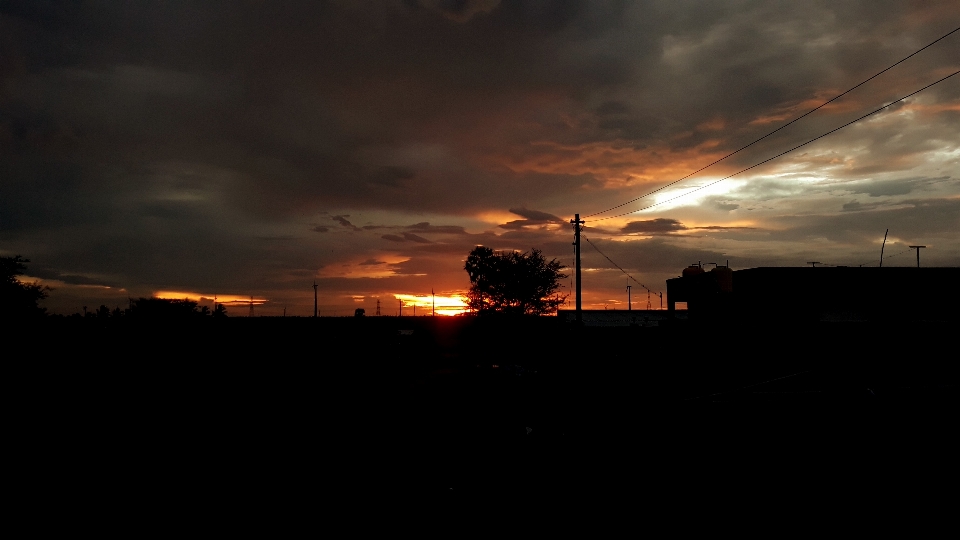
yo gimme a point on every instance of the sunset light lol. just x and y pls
(446, 305)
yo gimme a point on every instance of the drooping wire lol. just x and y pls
(818, 107)
(781, 153)
(615, 264)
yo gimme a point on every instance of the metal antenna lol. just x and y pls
(884, 244)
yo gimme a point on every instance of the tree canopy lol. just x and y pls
(166, 308)
(513, 283)
(17, 298)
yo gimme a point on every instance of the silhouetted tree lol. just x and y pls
(219, 311)
(164, 308)
(513, 283)
(19, 299)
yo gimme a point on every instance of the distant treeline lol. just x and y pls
(156, 308)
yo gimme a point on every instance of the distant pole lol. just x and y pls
(918, 253)
(434, 295)
(378, 307)
(401, 308)
(576, 235)
(882, 246)
(661, 299)
(314, 298)
(629, 306)
(649, 306)
(251, 306)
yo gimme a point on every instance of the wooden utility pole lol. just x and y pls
(918, 253)
(576, 222)
(629, 307)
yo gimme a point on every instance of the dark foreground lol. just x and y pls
(286, 413)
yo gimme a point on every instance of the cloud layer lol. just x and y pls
(252, 149)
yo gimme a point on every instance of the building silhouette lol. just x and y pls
(817, 293)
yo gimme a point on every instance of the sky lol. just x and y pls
(252, 149)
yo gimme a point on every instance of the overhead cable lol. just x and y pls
(818, 107)
(615, 264)
(781, 153)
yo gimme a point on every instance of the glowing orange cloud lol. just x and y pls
(197, 297)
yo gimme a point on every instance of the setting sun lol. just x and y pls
(445, 305)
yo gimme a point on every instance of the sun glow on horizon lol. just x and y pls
(219, 298)
(446, 305)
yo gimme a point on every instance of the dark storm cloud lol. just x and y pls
(414, 238)
(533, 218)
(654, 226)
(342, 220)
(137, 139)
(914, 219)
(426, 227)
(895, 187)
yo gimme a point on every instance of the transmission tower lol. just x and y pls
(378, 307)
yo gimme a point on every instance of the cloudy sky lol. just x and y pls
(250, 148)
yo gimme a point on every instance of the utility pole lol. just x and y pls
(629, 307)
(661, 300)
(251, 306)
(401, 308)
(918, 253)
(649, 306)
(434, 295)
(576, 222)
(314, 298)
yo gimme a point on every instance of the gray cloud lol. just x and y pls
(414, 238)
(654, 226)
(426, 227)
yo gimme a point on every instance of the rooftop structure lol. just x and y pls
(817, 293)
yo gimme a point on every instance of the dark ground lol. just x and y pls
(288, 412)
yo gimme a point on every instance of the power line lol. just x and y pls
(781, 153)
(613, 263)
(838, 96)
